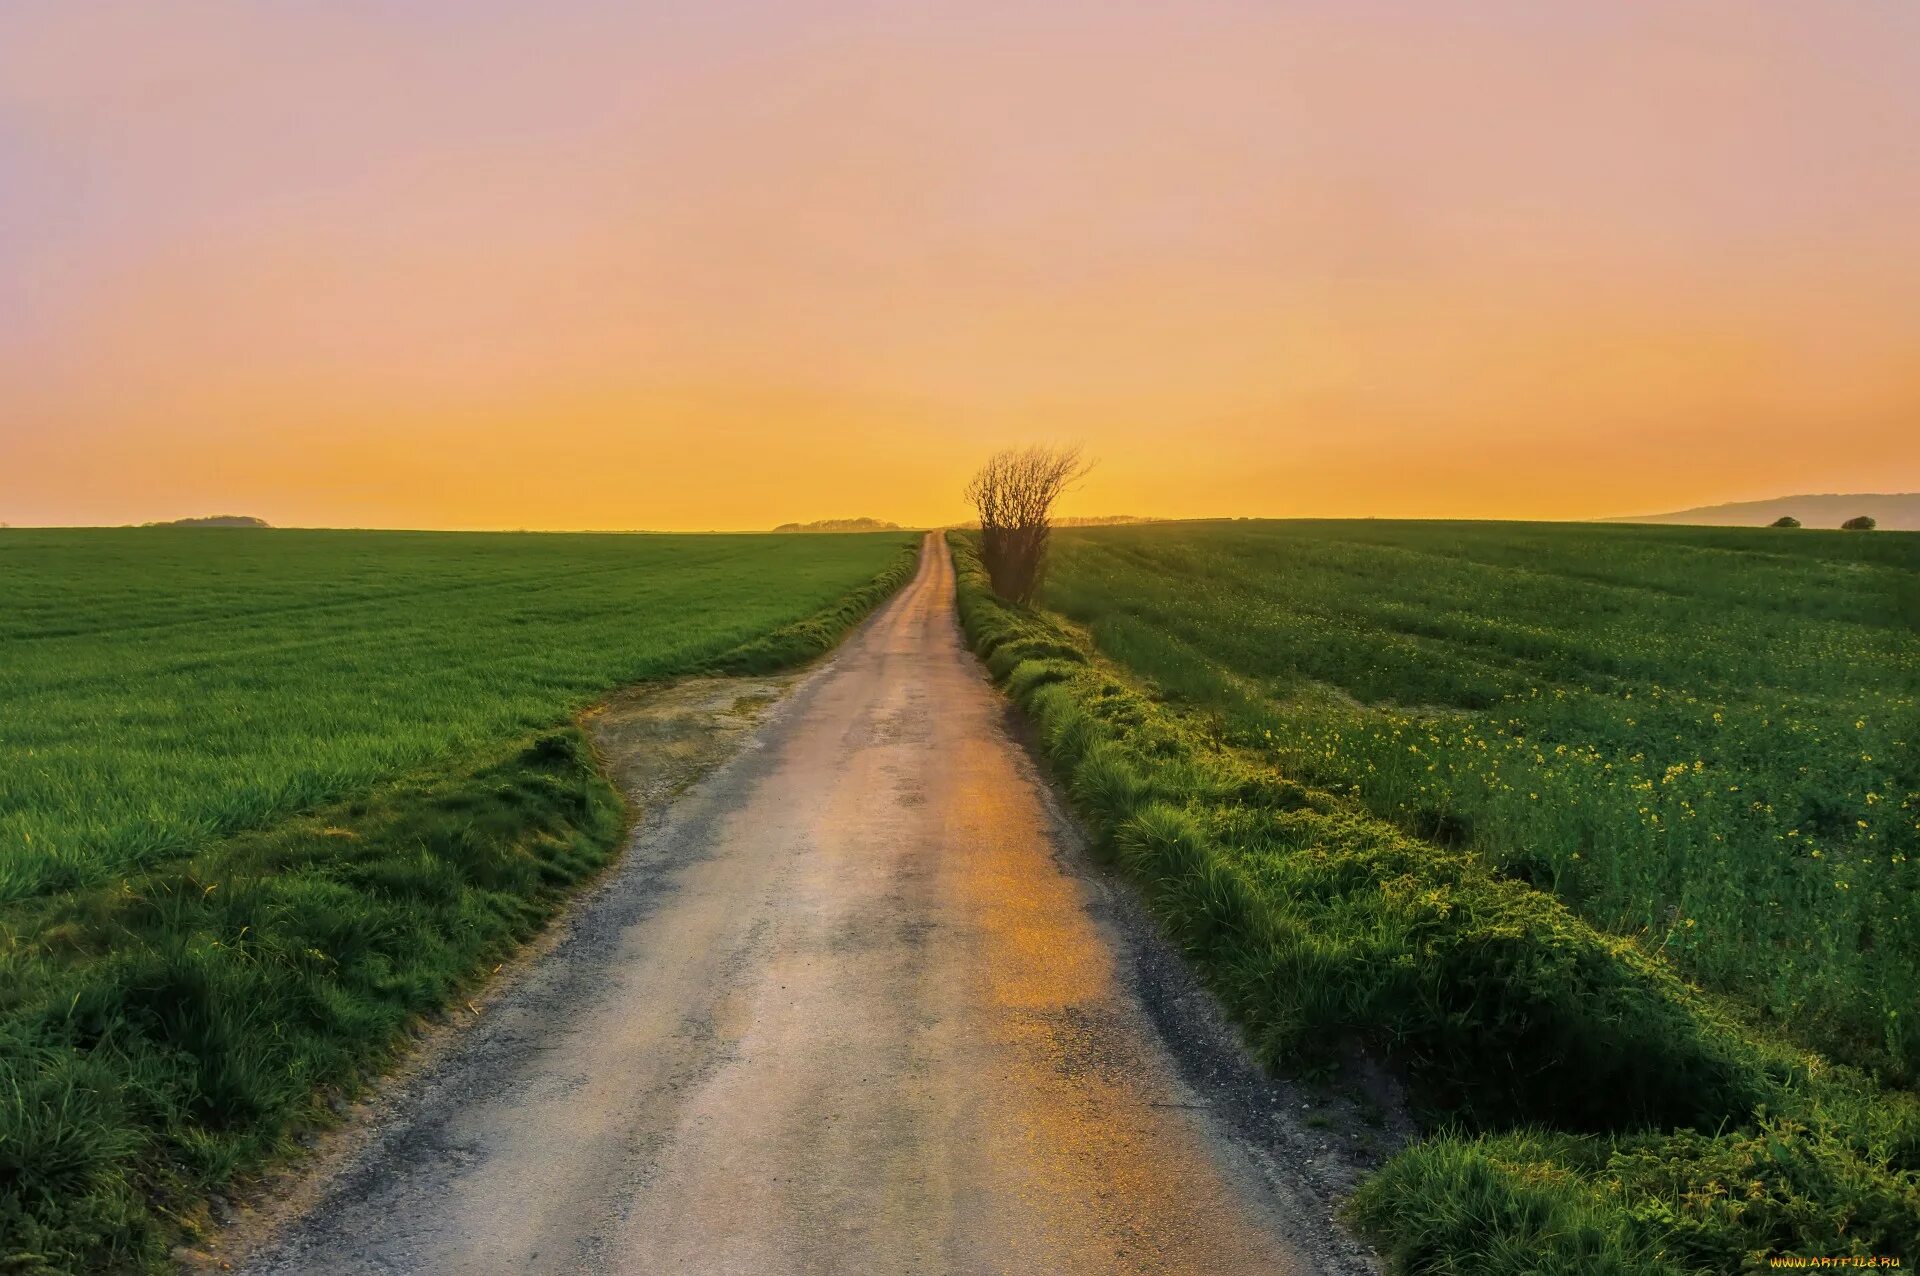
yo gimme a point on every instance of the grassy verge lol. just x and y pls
(816, 634)
(186, 1023)
(1599, 1114)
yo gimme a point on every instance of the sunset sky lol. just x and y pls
(706, 263)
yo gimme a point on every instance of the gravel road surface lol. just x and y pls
(857, 1002)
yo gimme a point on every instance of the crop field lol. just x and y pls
(1601, 837)
(268, 797)
(164, 687)
(1706, 739)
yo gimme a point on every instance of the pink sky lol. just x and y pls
(730, 264)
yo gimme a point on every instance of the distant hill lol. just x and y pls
(840, 525)
(215, 520)
(1895, 511)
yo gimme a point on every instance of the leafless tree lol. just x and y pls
(1014, 493)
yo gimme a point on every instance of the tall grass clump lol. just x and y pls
(1593, 1111)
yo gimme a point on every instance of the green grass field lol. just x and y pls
(1706, 739)
(1602, 835)
(164, 687)
(270, 796)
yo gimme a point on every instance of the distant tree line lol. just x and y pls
(1859, 523)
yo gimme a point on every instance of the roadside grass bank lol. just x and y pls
(158, 1037)
(187, 1021)
(1592, 1112)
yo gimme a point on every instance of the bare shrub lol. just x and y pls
(1014, 493)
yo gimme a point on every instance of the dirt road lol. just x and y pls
(855, 1004)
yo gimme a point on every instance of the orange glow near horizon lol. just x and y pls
(726, 265)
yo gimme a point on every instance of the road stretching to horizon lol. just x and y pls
(856, 1003)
